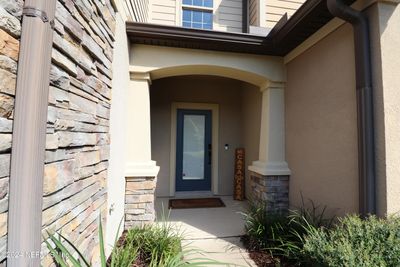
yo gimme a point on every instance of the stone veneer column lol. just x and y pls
(139, 201)
(140, 170)
(270, 174)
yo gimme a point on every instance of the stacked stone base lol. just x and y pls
(272, 190)
(139, 201)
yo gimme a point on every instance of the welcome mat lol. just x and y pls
(194, 203)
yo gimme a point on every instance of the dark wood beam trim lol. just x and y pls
(307, 20)
(152, 34)
(295, 20)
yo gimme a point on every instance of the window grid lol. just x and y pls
(197, 14)
(197, 19)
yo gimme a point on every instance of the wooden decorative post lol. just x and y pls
(238, 193)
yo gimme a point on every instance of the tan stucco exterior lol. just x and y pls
(116, 169)
(318, 80)
(235, 113)
(163, 62)
(385, 35)
(251, 117)
(264, 74)
(321, 124)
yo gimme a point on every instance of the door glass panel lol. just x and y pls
(193, 147)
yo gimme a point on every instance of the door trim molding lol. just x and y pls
(215, 141)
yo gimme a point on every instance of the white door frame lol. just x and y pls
(215, 141)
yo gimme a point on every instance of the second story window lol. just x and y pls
(197, 14)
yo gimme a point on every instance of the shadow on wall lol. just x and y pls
(228, 15)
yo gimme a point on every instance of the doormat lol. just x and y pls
(194, 203)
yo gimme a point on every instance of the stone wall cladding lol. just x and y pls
(10, 33)
(273, 190)
(139, 201)
(77, 143)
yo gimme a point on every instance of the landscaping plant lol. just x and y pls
(370, 242)
(304, 237)
(155, 245)
(282, 234)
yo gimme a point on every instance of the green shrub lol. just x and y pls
(301, 222)
(355, 242)
(282, 234)
(155, 242)
(306, 238)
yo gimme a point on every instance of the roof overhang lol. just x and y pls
(283, 38)
(153, 34)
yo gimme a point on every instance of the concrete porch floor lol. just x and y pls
(214, 231)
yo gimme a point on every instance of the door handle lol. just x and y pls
(209, 154)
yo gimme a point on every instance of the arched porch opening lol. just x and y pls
(235, 108)
(245, 97)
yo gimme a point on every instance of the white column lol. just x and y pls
(138, 132)
(272, 160)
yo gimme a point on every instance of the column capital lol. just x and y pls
(272, 85)
(141, 169)
(270, 168)
(140, 76)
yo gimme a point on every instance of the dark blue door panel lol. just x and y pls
(186, 160)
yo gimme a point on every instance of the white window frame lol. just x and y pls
(180, 6)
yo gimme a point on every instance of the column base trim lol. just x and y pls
(141, 169)
(273, 168)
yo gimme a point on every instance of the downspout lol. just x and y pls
(29, 134)
(366, 148)
(245, 16)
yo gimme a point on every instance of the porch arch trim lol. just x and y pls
(162, 62)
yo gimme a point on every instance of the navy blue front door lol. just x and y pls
(193, 150)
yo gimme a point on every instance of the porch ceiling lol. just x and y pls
(286, 35)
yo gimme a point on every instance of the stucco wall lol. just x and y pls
(251, 124)
(321, 124)
(385, 35)
(225, 92)
(10, 33)
(172, 61)
(116, 170)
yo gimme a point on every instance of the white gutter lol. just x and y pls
(29, 134)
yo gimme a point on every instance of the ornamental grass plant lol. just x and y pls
(154, 245)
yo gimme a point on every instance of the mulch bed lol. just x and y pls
(263, 258)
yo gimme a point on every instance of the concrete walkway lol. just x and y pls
(214, 231)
